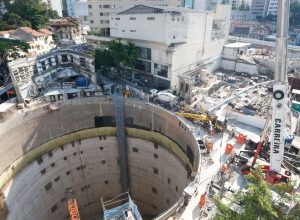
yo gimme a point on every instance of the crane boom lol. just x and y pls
(280, 92)
(72, 205)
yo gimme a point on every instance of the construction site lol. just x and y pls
(112, 151)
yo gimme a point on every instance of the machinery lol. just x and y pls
(72, 204)
(212, 122)
(274, 172)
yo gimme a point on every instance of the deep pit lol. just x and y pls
(76, 147)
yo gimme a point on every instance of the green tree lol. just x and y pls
(103, 58)
(34, 12)
(117, 51)
(295, 14)
(10, 47)
(130, 56)
(256, 203)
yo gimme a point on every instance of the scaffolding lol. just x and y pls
(121, 207)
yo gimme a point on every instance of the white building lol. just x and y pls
(262, 8)
(55, 5)
(173, 41)
(238, 15)
(66, 29)
(100, 10)
(78, 9)
(40, 42)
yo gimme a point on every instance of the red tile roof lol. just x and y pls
(45, 31)
(32, 32)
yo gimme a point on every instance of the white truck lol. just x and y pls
(166, 97)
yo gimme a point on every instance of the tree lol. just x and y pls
(116, 49)
(32, 13)
(257, 202)
(103, 58)
(130, 56)
(295, 14)
(10, 47)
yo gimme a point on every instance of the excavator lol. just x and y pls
(212, 122)
(72, 205)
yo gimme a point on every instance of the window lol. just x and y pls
(123, 30)
(103, 161)
(168, 201)
(39, 160)
(117, 19)
(160, 70)
(143, 65)
(50, 154)
(68, 172)
(150, 18)
(155, 156)
(90, 14)
(56, 179)
(145, 53)
(154, 190)
(106, 6)
(132, 30)
(64, 58)
(91, 21)
(101, 14)
(65, 158)
(53, 208)
(48, 186)
(106, 182)
(132, 18)
(155, 145)
(101, 148)
(135, 149)
(104, 21)
(52, 164)
(155, 170)
(43, 171)
(176, 188)
(74, 153)
(90, 6)
(169, 180)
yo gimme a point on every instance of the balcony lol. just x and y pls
(217, 34)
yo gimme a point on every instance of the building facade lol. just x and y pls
(31, 74)
(40, 41)
(78, 9)
(100, 10)
(262, 8)
(182, 41)
(66, 29)
(56, 5)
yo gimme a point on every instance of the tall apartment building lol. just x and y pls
(173, 41)
(77, 9)
(100, 10)
(56, 5)
(262, 8)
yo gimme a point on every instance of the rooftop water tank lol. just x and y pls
(81, 81)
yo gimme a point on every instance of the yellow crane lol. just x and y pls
(212, 122)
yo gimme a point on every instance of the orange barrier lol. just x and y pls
(228, 149)
(241, 139)
(202, 200)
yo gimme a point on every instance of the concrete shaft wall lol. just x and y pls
(22, 134)
(28, 130)
(90, 167)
